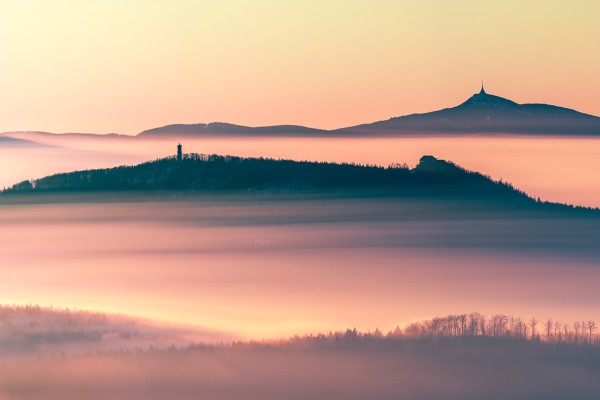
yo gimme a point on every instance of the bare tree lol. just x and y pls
(519, 328)
(474, 324)
(576, 327)
(482, 327)
(533, 322)
(548, 329)
(591, 325)
(498, 322)
(567, 336)
(463, 324)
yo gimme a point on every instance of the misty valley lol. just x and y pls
(500, 356)
(299, 200)
(218, 281)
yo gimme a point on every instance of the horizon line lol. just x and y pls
(266, 125)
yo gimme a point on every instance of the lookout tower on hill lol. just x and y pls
(179, 152)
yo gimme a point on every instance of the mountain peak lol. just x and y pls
(485, 99)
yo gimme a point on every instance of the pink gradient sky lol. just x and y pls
(111, 66)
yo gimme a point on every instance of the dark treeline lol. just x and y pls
(580, 332)
(213, 173)
(467, 356)
(35, 316)
(40, 331)
(473, 328)
(495, 327)
(500, 325)
(344, 365)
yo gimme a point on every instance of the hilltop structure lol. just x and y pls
(179, 152)
(427, 163)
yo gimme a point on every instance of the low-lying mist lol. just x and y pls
(423, 362)
(265, 267)
(28, 332)
(260, 268)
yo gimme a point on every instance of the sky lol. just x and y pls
(113, 66)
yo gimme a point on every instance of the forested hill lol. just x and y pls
(212, 173)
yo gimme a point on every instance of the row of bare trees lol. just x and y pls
(500, 325)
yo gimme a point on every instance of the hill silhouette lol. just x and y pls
(7, 141)
(198, 173)
(225, 129)
(486, 113)
(481, 113)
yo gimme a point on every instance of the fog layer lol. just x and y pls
(270, 268)
(347, 367)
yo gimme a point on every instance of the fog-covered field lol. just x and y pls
(344, 365)
(264, 268)
(210, 269)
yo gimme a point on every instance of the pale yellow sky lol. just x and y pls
(125, 66)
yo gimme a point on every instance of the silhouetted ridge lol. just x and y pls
(211, 173)
(481, 113)
(487, 113)
(225, 129)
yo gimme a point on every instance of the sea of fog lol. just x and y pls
(208, 269)
(267, 268)
(560, 169)
(342, 370)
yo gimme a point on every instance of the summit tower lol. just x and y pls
(482, 91)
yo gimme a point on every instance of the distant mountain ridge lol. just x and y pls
(480, 114)
(225, 129)
(11, 142)
(486, 113)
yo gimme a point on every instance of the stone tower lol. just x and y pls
(179, 152)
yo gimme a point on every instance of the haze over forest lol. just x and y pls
(299, 200)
